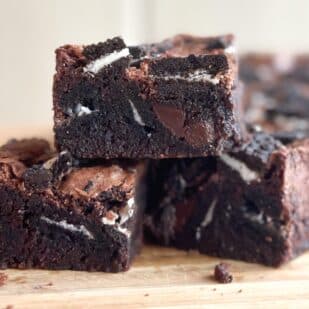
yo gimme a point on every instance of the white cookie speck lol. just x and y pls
(198, 75)
(137, 117)
(67, 226)
(245, 173)
(207, 219)
(105, 60)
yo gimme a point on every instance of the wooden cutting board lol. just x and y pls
(159, 277)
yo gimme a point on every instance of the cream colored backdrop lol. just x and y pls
(30, 30)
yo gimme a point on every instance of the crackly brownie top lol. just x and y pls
(33, 165)
(183, 45)
(182, 54)
(258, 150)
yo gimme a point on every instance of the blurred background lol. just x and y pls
(31, 30)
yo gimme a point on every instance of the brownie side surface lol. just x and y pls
(177, 98)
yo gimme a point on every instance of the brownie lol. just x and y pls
(276, 95)
(249, 204)
(176, 98)
(60, 213)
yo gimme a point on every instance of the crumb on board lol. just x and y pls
(222, 274)
(3, 278)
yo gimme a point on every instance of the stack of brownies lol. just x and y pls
(162, 140)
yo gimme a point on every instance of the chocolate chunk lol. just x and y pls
(171, 117)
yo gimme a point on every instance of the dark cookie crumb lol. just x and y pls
(221, 273)
(239, 291)
(3, 278)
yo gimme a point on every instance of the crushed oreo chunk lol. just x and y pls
(51, 172)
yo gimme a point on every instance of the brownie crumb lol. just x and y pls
(146, 295)
(221, 273)
(3, 278)
(239, 291)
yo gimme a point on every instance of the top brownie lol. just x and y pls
(176, 98)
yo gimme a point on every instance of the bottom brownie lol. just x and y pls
(249, 205)
(56, 213)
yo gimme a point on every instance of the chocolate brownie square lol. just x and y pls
(250, 204)
(177, 98)
(59, 213)
(276, 95)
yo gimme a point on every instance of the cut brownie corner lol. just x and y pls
(249, 204)
(67, 214)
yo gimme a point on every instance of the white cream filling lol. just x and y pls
(48, 164)
(198, 233)
(198, 75)
(105, 60)
(127, 212)
(111, 218)
(207, 219)
(124, 214)
(123, 230)
(245, 173)
(210, 213)
(67, 226)
(182, 182)
(81, 110)
(258, 218)
(230, 49)
(137, 117)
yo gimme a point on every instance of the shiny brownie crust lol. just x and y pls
(177, 98)
(56, 213)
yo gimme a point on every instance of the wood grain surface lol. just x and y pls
(159, 278)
